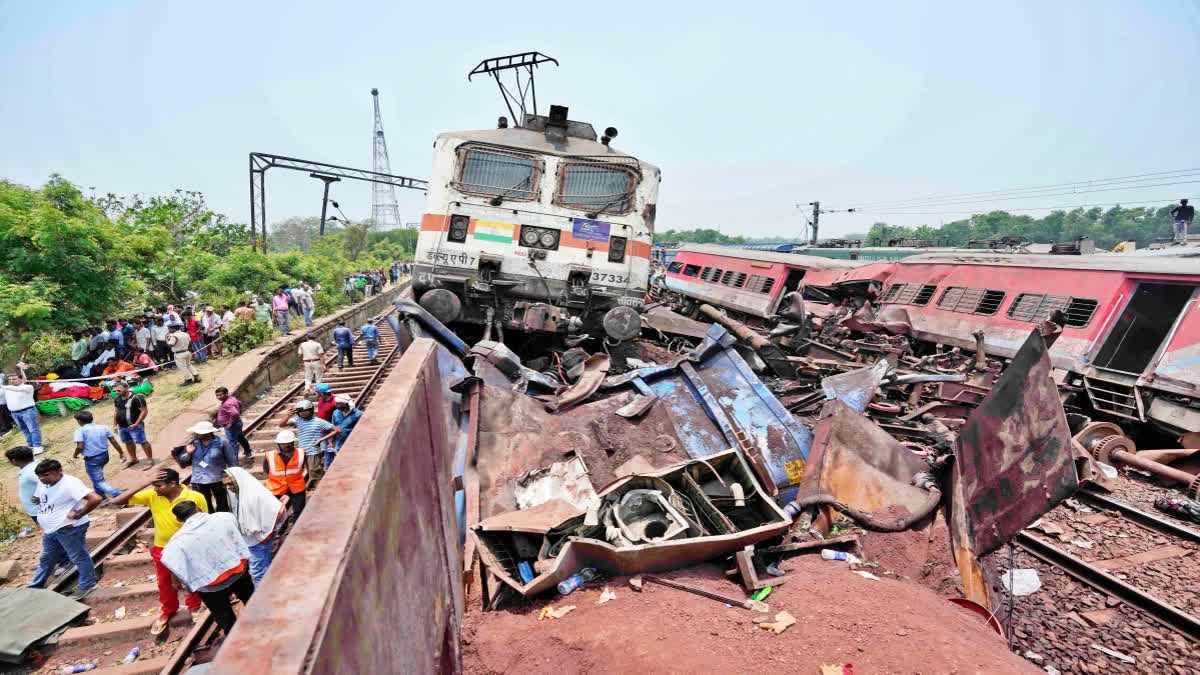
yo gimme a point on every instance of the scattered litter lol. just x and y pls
(835, 669)
(1051, 670)
(132, 655)
(119, 584)
(1115, 654)
(780, 624)
(1021, 581)
(555, 612)
(78, 667)
(762, 593)
(1184, 509)
(830, 554)
(1046, 526)
(119, 613)
(605, 596)
(568, 585)
(1082, 543)
(635, 582)
(866, 575)
(1034, 656)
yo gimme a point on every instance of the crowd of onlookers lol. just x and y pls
(215, 535)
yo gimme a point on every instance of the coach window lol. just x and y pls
(498, 173)
(596, 187)
(971, 300)
(691, 270)
(1037, 307)
(675, 267)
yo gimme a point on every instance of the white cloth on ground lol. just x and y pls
(207, 546)
(256, 509)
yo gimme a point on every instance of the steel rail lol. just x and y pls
(203, 630)
(1140, 517)
(1168, 615)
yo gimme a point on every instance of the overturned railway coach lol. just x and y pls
(537, 228)
(746, 281)
(1131, 324)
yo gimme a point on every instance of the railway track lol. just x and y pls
(1114, 577)
(125, 602)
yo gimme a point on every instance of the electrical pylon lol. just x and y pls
(385, 210)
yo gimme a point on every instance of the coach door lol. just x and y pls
(1144, 327)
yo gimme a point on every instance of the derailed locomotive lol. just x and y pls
(539, 227)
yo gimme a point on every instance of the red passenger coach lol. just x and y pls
(747, 281)
(1131, 324)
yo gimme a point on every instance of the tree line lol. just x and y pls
(68, 262)
(1106, 227)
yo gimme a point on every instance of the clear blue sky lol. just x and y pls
(747, 107)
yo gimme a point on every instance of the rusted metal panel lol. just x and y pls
(862, 466)
(1014, 455)
(376, 551)
(660, 556)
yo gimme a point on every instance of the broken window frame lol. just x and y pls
(614, 204)
(967, 300)
(759, 283)
(690, 270)
(908, 293)
(506, 192)
(1045, 304)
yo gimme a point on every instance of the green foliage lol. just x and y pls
(698, 236)
(245, 334)
(67, 262)
(49, 351)
(1105, 227)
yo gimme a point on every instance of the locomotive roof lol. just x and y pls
(1114, 262)
(808, 261)
(535, 141)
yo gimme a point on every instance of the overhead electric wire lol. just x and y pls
(1078, 187)
(1060, 207)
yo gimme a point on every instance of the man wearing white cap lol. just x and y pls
(211, 455)
(312, 435)
(345, 416)
(285, 471)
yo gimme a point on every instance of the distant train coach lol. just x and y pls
(746, 281)
(541, 227)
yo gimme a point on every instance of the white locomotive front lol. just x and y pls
(537, 228)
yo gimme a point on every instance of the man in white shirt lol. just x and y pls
(311, 354)
(144, 336)
(63, 504)
(210, 323)
(18, 396)
(158, 332)
(209, 556)
(27, 482)
(304, 300)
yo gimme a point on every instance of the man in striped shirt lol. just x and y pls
(312, 436)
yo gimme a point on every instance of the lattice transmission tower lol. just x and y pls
(385, 210)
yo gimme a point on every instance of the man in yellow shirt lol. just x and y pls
(160, 495)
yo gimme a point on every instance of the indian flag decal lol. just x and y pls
(494, 230)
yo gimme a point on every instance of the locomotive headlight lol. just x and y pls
(548, 238)
(458, 228)
(530, 236)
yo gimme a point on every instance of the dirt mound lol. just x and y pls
(879, 626)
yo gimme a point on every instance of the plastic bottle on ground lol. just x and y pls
(132, 655)
(78, 668)
(830, 554)
(576, 580)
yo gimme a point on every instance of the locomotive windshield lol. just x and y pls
(502, 174)
(596, 187)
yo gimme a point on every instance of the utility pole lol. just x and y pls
(816, 218)
(325, 200)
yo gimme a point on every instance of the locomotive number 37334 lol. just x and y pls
(605, 277)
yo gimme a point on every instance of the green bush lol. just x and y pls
(49, 351)
(245, 334)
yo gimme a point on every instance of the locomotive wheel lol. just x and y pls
(1093, 433)
(1105, 447)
